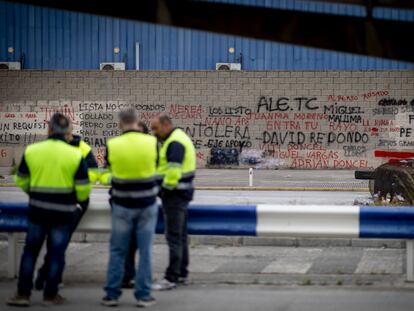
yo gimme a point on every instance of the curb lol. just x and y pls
(288, 281)
(223, 241)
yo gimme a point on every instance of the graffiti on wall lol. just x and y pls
(302, 132)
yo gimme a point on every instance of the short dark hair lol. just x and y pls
(59, 124)
(165, 119)
(145, 129)
(128, 116)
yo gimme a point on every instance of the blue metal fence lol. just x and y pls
(251, 220)
(45, 38)
(256, 220)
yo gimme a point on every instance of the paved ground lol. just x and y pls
(252, 265)
(240, 298)
(324, 179)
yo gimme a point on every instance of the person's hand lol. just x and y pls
(161, 193)
(84, 205)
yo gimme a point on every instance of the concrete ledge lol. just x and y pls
(216, 240)
(309, 280)
(249, 241)
(378, 243)
(323, 242)
(260, 241)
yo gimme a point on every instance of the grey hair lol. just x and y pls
(59, 124)
(128, 116)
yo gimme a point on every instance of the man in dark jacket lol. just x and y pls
(87, 155)
(176, 172)
(55, 176)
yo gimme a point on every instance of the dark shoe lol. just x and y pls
(109, 302)
(128, 284)
(145, 303)
(56, 300)
(19, 301)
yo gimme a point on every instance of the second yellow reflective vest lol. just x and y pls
(86, 150)
(132, 162)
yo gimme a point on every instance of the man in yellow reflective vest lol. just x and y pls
(129, 274)
(55, 176)
(87, 155)
(132, 162)
(176, 168)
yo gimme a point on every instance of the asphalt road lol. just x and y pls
(230, 196)
(240, 298)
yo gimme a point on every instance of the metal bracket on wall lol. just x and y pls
(137, 55)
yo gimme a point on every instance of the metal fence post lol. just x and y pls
(251, 177)
(12, 255)
(410, 260)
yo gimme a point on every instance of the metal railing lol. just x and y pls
(320, 221)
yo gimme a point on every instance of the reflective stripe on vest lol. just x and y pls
(184, 185)
(133, 181)
(53, 206)
(51, 190)
(136, 194)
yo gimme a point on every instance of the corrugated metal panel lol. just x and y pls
(53, 39)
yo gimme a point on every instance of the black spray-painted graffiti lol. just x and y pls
(267, 104)
(224, 156)
(299, 138)
(343, 114)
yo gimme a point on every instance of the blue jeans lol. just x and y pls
(43, 270)
(125, 223)
(57, 238)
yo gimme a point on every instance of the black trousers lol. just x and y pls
(175, 218)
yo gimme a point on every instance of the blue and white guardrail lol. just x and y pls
(320, 221)
(257, 220)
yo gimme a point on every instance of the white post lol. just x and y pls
(250, 177)
(410, 260)
(12, 255)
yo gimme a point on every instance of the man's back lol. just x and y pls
(133, 155)
(132, 160)
(52, 163)
(55, 176)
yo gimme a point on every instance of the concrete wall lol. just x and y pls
(299, 119)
